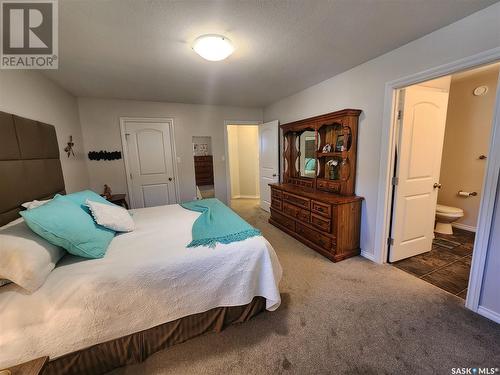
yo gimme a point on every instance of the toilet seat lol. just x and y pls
(447, 210)
(445, 215)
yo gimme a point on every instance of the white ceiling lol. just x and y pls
(138, 49)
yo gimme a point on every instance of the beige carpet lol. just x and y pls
(352, 317)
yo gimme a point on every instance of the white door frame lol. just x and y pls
(226, 152)
(488, 194)
(154, 120)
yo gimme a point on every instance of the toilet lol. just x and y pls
(445, 215)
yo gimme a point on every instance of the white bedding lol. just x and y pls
(148, 277)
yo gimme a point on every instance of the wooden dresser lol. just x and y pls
(204, 170)
(327, 223)
(315, 203)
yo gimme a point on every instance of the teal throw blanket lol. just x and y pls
(217, 224)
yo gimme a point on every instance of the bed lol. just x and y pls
(149, 291)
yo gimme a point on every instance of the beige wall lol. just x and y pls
(243, 153)
(100, 119)
(363, 87)
(30, 94)
(467, 135)
(233, 159)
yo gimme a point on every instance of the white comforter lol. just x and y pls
(148, 277)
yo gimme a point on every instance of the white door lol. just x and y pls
(421, 138)
(268, 160)
(149, 162)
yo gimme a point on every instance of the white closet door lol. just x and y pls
(150, 163)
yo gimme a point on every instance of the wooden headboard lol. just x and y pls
(29, 164)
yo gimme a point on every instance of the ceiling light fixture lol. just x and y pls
(213, 47)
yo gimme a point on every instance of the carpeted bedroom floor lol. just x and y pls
(352, 317)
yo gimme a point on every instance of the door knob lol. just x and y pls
(437, 185)
(170, 178)
(274, 174)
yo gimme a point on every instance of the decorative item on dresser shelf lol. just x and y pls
(119, 199)
(321, 209)
(34, 367)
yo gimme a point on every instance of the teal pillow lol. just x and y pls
(65, 224)
(80, 198)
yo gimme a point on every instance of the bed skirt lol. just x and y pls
(135, 348)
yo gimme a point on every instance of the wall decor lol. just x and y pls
(69, 148)
(105, 155)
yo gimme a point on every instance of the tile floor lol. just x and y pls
(446, 267)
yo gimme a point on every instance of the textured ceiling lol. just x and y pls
(141, 49)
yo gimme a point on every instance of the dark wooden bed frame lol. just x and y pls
(30, 168)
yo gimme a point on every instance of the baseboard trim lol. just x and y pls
(487, 313)
(368, 255)
(469, 228)
(246, 197)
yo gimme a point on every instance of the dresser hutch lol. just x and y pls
(315, 203)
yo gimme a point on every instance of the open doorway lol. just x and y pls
(443, 131)
(252, 162)
(243, 158)
(203, 167)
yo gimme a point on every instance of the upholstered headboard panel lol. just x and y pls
(29, 164)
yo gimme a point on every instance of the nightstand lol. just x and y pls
(34, 367)
(119, 199)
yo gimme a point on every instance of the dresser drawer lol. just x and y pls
(276, 203)
(203, 172)
(297, 200)
(321, 208)
(203, 163)
(277, 194)
(283, 220)
(296, 212)
(314, 236)
(330, 186)
(206, 158)
(321, 222)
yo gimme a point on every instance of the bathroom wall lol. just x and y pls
(467, 136)
(243, 153)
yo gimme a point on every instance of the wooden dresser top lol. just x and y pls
(315, 194)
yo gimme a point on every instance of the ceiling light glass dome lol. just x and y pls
(213, 47)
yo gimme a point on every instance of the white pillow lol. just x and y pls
(34, 204)
(111, 216)
(26, 258)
